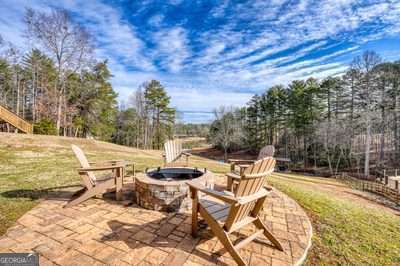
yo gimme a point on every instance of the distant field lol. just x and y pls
(30, 164)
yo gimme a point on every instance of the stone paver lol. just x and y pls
(104, 232)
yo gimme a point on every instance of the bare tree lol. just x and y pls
(67, 43)
(365, 64)
(138, 102)
(335, 138)
(225, 130)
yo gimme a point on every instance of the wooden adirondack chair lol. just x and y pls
(97, 186)
(239, 209)
(266, 151)
(173, 151)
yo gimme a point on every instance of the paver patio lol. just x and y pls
(104, 232)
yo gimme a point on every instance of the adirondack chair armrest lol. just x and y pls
(243, 166)
(260, 174)
(239, 161)
(247, 199)
(107, 162)
(231, 179)
(196, 186)
(233, 176)
(280, 159)
(100, 168)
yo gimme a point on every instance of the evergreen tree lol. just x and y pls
(162, 115)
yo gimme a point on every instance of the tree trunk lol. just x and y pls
(367, 148)
(225, 154)
(18, 94)
(59, 110)
(396, 129)
(383, 131)
(328, 157)
(305, 152)
(65, 127)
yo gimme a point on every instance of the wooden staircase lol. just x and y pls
(15, 120)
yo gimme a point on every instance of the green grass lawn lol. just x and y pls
(29, 165)
(345, 232)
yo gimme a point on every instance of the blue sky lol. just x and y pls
(212, 53)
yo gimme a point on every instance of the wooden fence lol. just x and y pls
(372, 186)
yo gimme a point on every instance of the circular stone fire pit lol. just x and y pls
(165, 189)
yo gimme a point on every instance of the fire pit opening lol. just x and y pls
(165, 189)
(171, 174)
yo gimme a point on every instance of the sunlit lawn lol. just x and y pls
(345, 232)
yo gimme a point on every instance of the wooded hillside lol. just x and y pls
(61, 87)
(341, 122)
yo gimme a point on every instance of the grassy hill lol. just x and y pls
(30, 165)
(349, 229)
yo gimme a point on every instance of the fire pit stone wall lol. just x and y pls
(165, 195)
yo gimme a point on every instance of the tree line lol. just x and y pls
(61, 88)
(348, 122)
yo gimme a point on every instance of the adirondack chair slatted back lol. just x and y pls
(89, 179)
(267, 151)
(249, 185)
(173, 148)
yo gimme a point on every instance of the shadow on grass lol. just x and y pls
(55, 193)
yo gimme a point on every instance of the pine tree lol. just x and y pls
(157, 103)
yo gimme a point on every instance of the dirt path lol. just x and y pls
(337, 189)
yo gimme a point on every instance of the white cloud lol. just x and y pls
(172, 47)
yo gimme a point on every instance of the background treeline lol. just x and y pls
(346, 122)
(149, 122)
(61, 88)
(191, 130)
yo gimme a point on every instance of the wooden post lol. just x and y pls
(384, 174)
(195, 209)
(118, 182)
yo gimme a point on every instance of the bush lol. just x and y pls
(45, 126)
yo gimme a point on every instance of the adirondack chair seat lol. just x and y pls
(103, 178)
(219, 211)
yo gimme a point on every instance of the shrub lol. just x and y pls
(45, 126)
